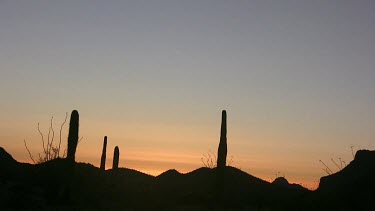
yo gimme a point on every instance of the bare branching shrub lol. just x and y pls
(50, 150)
(31, 156)
(326, 168)
(338, 163)
(351, 147)
(209, 160)
(230, 161)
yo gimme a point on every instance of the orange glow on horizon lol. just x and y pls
(154, 148)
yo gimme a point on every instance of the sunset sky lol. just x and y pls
(297, 79)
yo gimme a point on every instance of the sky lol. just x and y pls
(296, 78)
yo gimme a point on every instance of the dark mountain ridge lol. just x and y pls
(59, 184)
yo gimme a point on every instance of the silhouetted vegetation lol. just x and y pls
(339, 164)
(104, 152)
(44, 187)
(73, 135)
(116, 156)
(222, 151)
(209, 160)
(58, 184)
(50, 151)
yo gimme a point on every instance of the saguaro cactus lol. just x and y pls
(116, 155)
(222, 151)
(104, 152)
(73, 135)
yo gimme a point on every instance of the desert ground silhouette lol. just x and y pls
(64, 184)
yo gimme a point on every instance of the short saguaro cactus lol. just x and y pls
(116, 155)
(73, 135)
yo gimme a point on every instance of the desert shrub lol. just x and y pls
(209, 160)
(339, 163)
(50, 149)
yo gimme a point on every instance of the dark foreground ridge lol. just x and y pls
(63, 185)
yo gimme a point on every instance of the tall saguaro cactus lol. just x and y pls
(116, 155)
(222, 151)
(73, 135)
(104, 152)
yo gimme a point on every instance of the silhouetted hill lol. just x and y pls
(353, 174)
(171, 173)
(10, 168)
(281, 181)
(5, 157)
(354, 186)
(60, 184)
